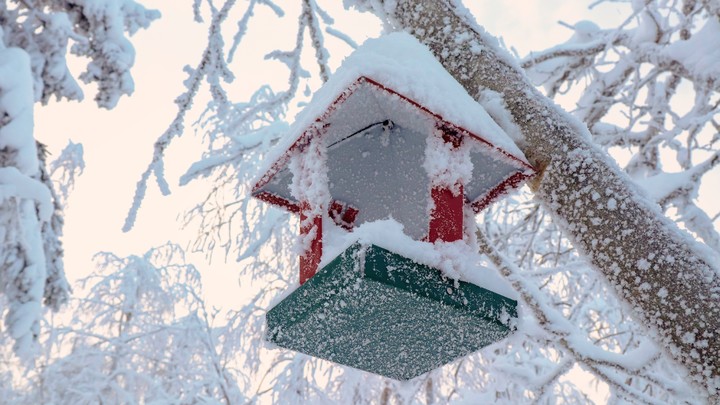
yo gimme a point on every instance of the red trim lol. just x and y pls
(310, 259)
(446, 219)
(277, 201)
(512, 182)
(349, 217)
(503, 188)
(343, 214)
(336, 209)
(450, 135)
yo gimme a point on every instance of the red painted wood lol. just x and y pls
(343, 214)
(277, 201)
(349, 216)
(336, 210)
(310, 259)
(451, 136)
(446, 219)
(503, 188)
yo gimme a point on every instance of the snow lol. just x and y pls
(446, 165)
(700, 54)
(495, 105)
(16, 100)
(25, 203)
(399, 62)
(15, 184)
(456, 260)
(382, 149)
(342, 36)
(575, 168)
(612, 204)
(647, 29)
(548, 72)
(310, 180)
(661, 185)
(504, 354)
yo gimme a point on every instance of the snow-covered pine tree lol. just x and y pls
(35, 40)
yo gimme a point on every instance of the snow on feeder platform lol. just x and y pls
(390, 135)
(377, 311)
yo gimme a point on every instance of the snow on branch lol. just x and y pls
(211, 67)
(670, 44)
(240, 134)
(310, 13)
(65, 169)
(142, 334)
(35, 39)
(49, 30)
(609, 366)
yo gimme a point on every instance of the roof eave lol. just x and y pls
(513, 181)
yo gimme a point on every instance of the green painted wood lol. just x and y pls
(377, 311)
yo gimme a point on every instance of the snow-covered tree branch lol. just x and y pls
(34, 41)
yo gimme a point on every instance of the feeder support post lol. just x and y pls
(446, 217)
(311, 237)
(310, 187)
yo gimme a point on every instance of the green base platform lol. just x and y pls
(380, 312)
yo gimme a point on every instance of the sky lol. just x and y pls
(118, 144)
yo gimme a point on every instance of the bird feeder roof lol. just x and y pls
(392, 79)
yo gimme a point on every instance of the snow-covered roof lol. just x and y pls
(399, 62)
(393, 78)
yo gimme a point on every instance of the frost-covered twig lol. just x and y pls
(654, 126)
(240, 137)
(65, 169)
(311, 11)
(568, 337)
(211, 65)
(142, 334)
(96, 30)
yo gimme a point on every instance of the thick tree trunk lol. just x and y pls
(651, 264)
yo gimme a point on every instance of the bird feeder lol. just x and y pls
(390, 135)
